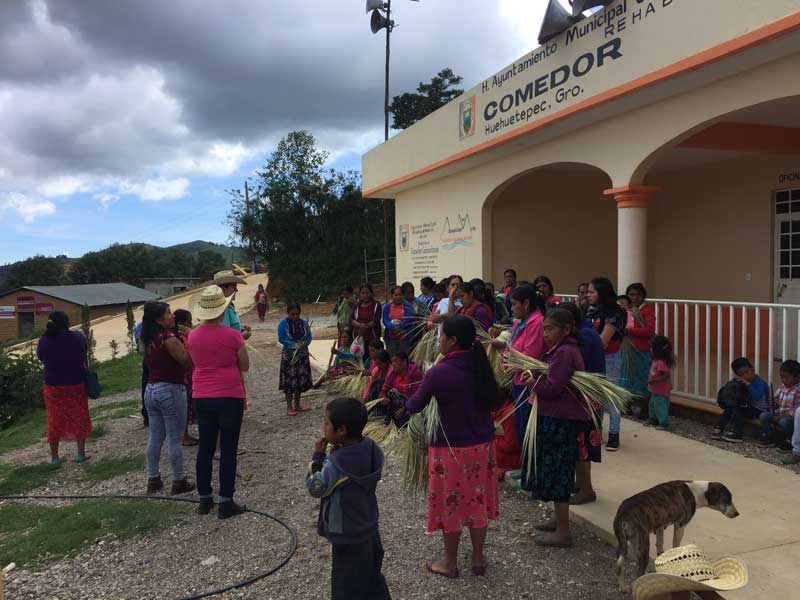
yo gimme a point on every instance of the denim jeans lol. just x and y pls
(145, 377)
(785, 424)
(614, 372)
(796, 433)
(166, 408)
(221, 416)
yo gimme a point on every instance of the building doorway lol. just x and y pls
(25, 324)
(786, 263)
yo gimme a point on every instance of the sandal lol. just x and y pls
(449, 575)
(303, 409)
(189, 442)
(55, 462)
(549, 527)
(291, 413)
(82, 458)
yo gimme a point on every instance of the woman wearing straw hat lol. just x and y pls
(686, 569)
(220, 359)
(228, 283)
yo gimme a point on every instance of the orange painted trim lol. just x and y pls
(636, 189)
(701, 59)
(747, 137)
(633, 196)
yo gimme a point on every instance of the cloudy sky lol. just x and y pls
(127, 120)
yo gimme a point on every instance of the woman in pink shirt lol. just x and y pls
(527, 337)
(220, 359)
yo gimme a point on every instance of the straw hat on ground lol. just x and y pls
(686, 569)
(210, 303)
(227, 277)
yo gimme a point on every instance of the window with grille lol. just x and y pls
(787, 208)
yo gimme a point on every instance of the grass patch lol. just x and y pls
(108, 468)
(33, 535)
(98, 431)
(120, 374)
(24, 431)
(18, 480)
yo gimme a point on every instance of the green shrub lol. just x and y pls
(20, 385)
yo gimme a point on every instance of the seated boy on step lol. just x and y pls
(782, 414)
(746, 396)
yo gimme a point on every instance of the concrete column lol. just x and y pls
(631, 233)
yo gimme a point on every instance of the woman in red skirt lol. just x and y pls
(462, 483)
(63, 353)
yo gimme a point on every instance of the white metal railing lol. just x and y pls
(707, 335)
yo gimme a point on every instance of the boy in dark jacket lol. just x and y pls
(746, 396)
(345, 483)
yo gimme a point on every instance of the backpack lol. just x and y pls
(733, 394)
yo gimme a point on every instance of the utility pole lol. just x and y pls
(249, 214)
(386, 138)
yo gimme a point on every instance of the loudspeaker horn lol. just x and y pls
(374, 4)
(581, 6)
(377, 21)
(556, 20)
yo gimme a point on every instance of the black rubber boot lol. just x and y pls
(181, 486)
(154, 484)
(230, 509)
(205, 506)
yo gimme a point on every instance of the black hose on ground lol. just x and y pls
(222, 590)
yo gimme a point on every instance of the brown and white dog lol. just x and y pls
(652, 511)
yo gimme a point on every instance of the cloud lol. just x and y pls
(156, 189)
(105, 199)
(28, 209)
(137, 98)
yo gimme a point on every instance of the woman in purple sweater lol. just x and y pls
(561, 416)
(462, 485)
(63, 354)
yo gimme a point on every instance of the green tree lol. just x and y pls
(311, 225)
(207, 263)
(37, 270)
(408, 108)
(130, 323)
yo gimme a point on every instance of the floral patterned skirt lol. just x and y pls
(462, 487)
(295, 377)
(67, 412)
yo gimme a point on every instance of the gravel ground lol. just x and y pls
(276, 453)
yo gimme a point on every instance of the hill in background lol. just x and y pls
(124, 262)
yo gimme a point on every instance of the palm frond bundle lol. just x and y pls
(413, 448)
(385, 434)
(426, 351)
(590, 385)
(352, 385)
